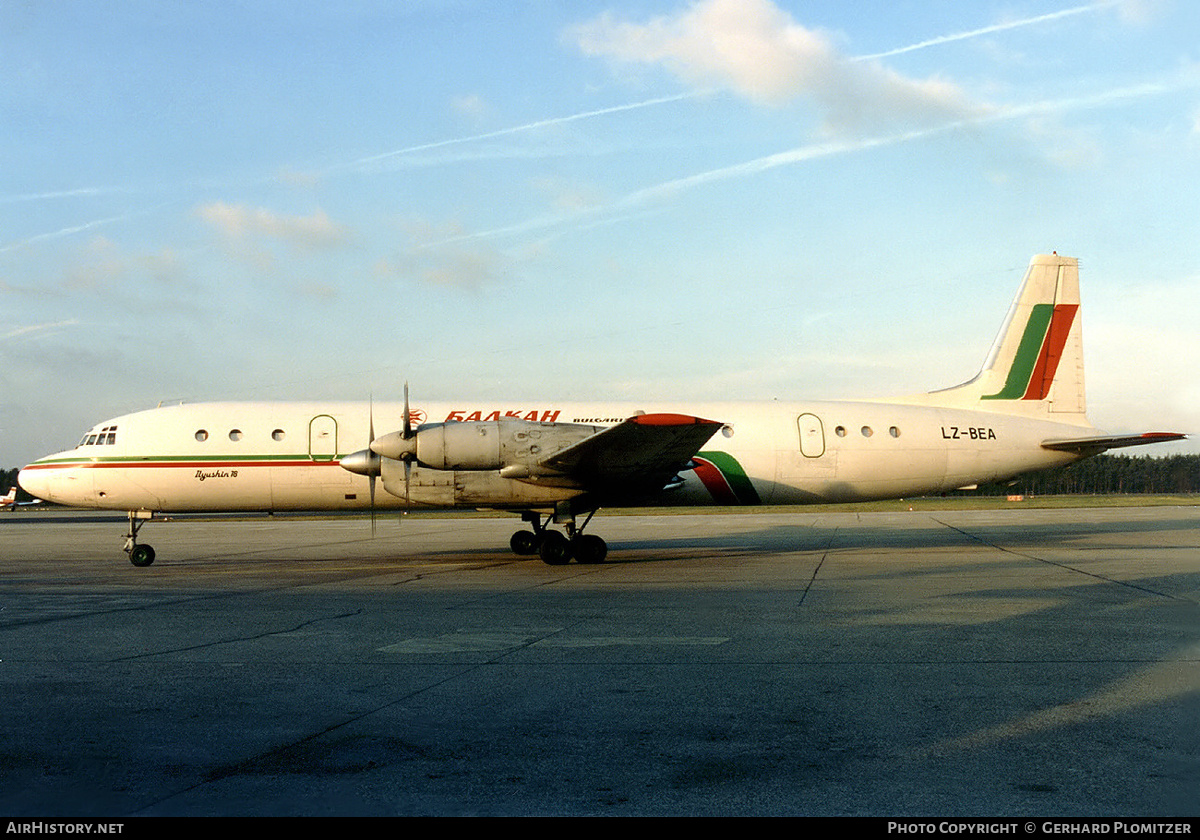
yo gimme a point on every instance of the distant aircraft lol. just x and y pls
(9, 500)
(557, 463)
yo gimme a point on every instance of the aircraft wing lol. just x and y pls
(1094, 445)
(641, 454)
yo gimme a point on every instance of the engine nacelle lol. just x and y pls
(459, 446)
(482, 445)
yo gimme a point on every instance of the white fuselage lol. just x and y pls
(286, 456)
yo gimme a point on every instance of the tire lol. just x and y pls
(141, 556)
(554, 550)
(588, 548)
(524, 543)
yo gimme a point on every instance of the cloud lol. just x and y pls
(1140, 12)
(103, 265)
(758, 51)
(239, 222)
(297, 178)
(470, 105)
(444, 256)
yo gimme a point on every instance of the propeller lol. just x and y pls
(407, 434)
(399, 446)
(365, 462)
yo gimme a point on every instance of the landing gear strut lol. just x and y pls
(139, 555)
(554, 547)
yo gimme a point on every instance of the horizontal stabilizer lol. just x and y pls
(1094, 445)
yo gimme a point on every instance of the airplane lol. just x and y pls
(555, 463)
(9, 500)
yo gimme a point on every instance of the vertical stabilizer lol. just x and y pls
(1035, 366)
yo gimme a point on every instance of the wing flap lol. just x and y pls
(641, 453)
(1094, 445)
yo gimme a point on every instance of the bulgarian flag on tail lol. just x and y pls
(1038, 355)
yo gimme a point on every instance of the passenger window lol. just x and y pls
(235, 434)
(866, 431)
(840, 431)
(278, 435)
(202, 435)
(894, 432)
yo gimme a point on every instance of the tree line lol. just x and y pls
(8, 478)
(1105, 474)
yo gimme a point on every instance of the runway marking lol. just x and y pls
(470, 642)
(634, 641)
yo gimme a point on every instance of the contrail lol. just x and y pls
(752, 166)
(988, 30)
(88, 191)
(816, 151)
(13, 246)
(811, 152)
(64, 232)
(668, 188)
(37, 328)
(662, 100)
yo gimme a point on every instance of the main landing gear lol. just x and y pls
(139, 555)
(554, 547)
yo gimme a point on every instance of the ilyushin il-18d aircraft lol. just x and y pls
(555, 464)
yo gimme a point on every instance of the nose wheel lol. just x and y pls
(140, 555)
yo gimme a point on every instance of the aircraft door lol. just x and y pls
(322, 438)
(812, 435)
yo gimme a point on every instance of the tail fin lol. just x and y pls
(1035, 367)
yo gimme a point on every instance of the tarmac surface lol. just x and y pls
(1016, 662)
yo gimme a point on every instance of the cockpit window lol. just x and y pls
(105, 437)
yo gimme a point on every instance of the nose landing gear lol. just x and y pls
(139, 555)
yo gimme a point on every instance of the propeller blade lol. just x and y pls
(371, 484)
(371, 477)
(408, 432)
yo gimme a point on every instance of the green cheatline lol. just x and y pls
(739, 483)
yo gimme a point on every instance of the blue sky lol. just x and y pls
(628, 200)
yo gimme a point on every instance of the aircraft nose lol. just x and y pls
(35, 482)
(65, 484)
